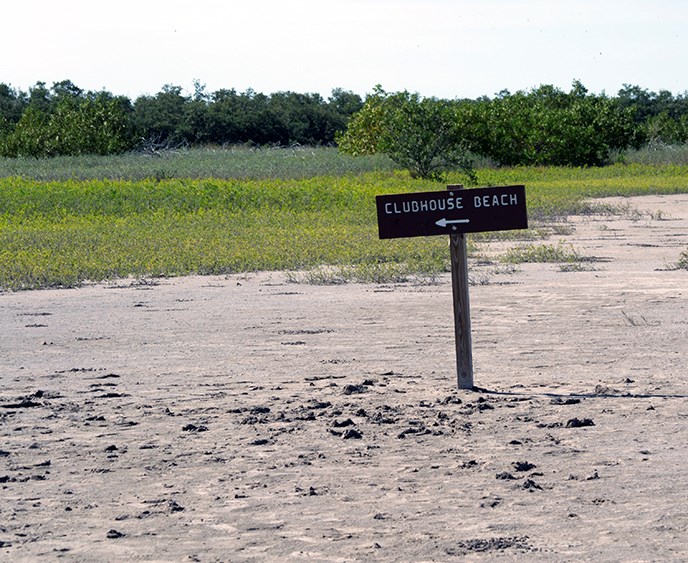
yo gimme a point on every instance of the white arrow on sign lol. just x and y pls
(445, 222)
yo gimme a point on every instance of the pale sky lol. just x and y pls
(443, 48)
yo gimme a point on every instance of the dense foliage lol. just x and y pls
(428, 136)
(420, 135)
(547, 126)
(65, 120)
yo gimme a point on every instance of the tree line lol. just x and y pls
(66, 120)
(543, 125)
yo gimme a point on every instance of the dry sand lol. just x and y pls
(245, 418)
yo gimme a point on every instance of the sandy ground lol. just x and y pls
(245, 418)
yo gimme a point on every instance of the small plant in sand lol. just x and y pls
(576, 267)
(563, 253)
(683, 260)
(385, 273)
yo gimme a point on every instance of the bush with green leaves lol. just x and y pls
(663, 129)
(419, 134)
(683, 260)
(29, 136)
(76, 126)
(547, 126)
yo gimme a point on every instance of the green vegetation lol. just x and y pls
(75, 127)
(180, 183)
(238, 162)
(557, 191)
(420, 135)
(540, 126)
(542, 253)
(658, 153)
(62, 233)
(65, 120)
(683, 260)
(547, 126)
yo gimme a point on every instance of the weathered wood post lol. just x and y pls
(454, 212)
(462, 308)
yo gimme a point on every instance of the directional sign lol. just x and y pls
(452, 211)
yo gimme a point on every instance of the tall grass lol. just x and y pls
(656, 153)
(234, 162)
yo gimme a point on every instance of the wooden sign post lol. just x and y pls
(454, 212)
(462, 308)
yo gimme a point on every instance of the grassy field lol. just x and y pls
(317, 216)
(241, 162)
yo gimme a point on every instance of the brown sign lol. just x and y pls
(452, 211)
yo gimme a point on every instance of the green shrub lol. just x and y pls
(683, 260)
(542, 253)
(75, 127)
(30, 136)
(419, 134)
(547, 126)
